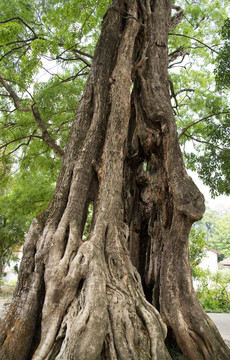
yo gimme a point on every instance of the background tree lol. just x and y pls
(114, 294)
(11, 236)
(30, 156)
(223, 68)
(221, 237)
(202, 108)
(197, 248)
(216, 227)
(24, 197)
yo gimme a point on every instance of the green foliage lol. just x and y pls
(212, 231)
(26, 195)
(88, 222)
(60, 36)
(213, 169)
(202, 110)
(46, 48)
(220, 239)
(197, 249)
(216, 225)
(8, 289)
(12, 236)
(213, 293)
(45, 53)
(222, 70)
(198, 273)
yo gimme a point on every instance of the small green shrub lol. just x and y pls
(213, 293)
(7, 288)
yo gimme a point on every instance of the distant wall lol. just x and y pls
(209, 262)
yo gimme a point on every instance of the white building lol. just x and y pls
(210, 261)
(10, 272)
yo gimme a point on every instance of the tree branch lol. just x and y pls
(200, 42)
(74, 59)
(71, 78)
(177, 53)
(198, 121)
(184, 90)
(202, 141)
(45, 135)
(13, 95)
(82, 53)
(76, 52)
(176, 18)
(14, 49)
(18, 139)
(25, 42)
(173, 95)
(20, 19)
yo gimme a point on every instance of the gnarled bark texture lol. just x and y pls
(114, 295)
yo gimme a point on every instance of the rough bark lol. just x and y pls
(114, 295)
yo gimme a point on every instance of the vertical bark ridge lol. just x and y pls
(172, 203)
(98, 83)
(87, 155)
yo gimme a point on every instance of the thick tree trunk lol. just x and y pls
(114, 295)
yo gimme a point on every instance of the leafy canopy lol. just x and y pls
(201, 107)
(223, 68)
(216, 226)
(46, 49)
(197, 248)
(59, 37)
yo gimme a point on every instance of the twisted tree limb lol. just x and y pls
(37, 117)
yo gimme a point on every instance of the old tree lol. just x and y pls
(125, 291)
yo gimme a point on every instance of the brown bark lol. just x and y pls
(80, 299)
